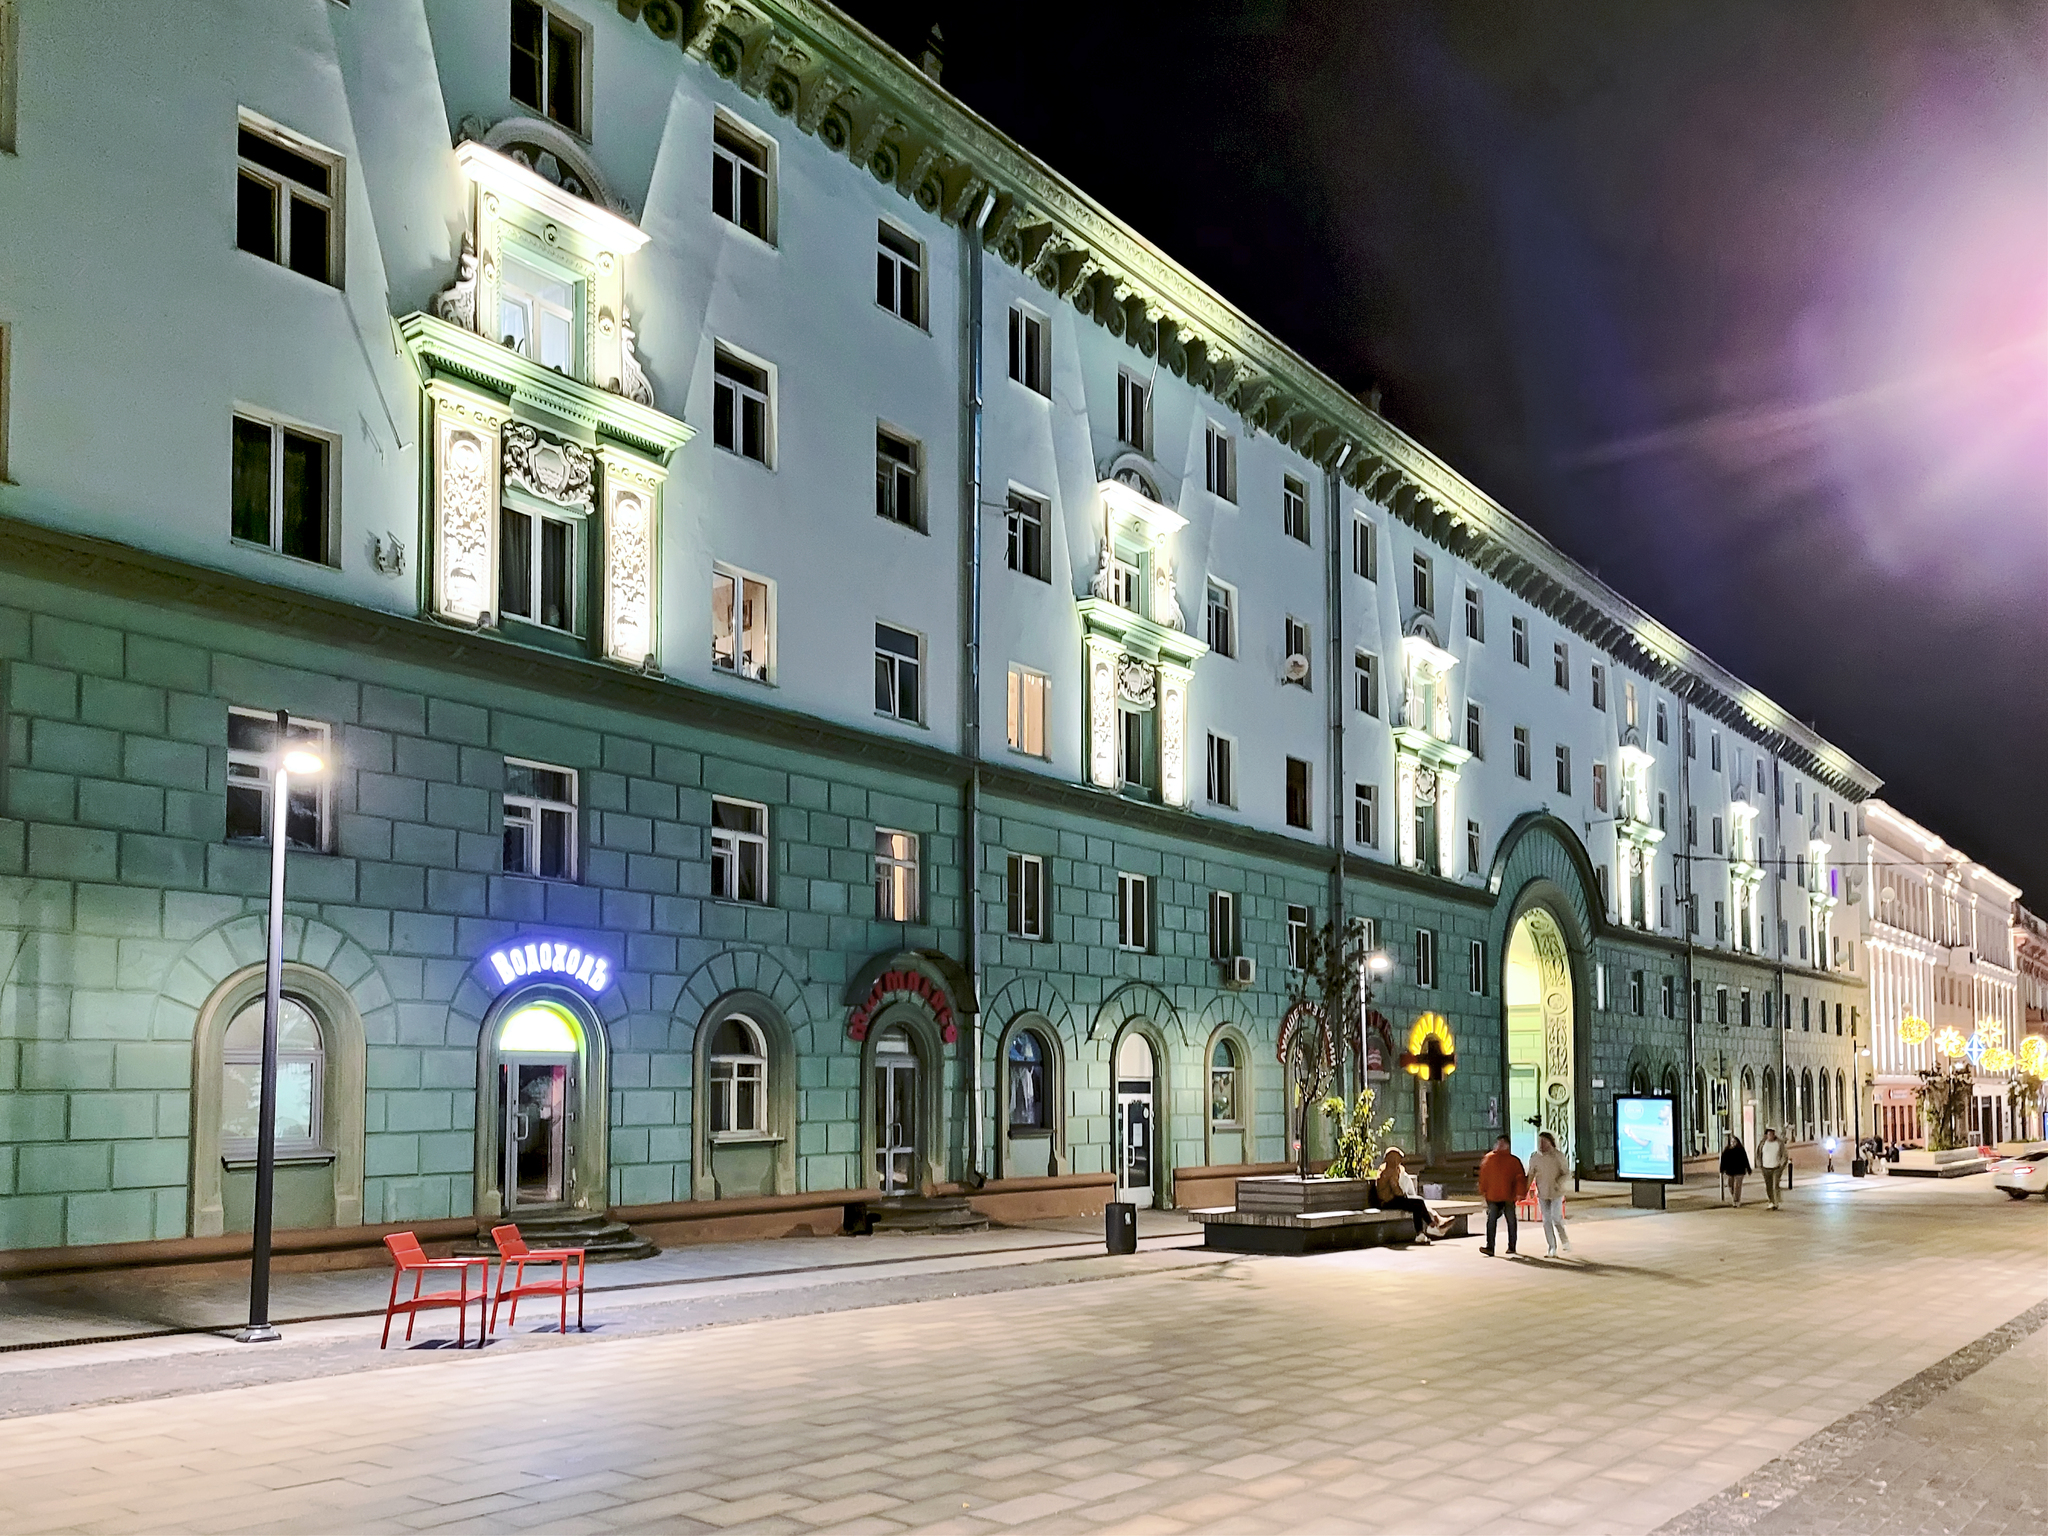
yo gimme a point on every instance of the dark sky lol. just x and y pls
(1742, 303)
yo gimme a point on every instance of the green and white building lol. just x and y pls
(714, 833)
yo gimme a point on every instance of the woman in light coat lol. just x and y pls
(1548, 1171)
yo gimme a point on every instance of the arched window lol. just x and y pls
(1670, 1089)
(1826, 1124)
(1770, 1097)
(1806, 1106)
(1029, 1108)
(301, 1070)
(1223, 1085)
(1841, 1103)
(1699, 1104)
(739, 1078)
(1639, 1080)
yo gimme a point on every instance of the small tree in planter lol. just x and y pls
(2023, 1099)
(1327, 996)
(1361, 1140)
(1944, 1095)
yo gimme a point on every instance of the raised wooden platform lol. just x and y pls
(1915, 1163)
(1237, 1230)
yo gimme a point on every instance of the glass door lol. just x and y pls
(536, 1133)
(1133, 1124)
(895, 1101)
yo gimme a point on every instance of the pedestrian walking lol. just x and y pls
(1770, 1161)
(1548, 1170)
(1501, 1182)
(1389, 1193)
(1734, 1168)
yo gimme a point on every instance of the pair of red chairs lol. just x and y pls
(514, 1256)
(1529, 1207)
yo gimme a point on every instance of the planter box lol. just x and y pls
(1955, 1163)
(1292, 1195)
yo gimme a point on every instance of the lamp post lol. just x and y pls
(305, 764)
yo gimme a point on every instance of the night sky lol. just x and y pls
(1743, 305)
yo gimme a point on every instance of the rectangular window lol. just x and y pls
(1668, 996)
(1522, 768)
(537, 567)
(1425, 957)
(1222, 925)
(1475, 963)
(1663, 726)
(252, 775)
(1599, 786)
(10, 77)
(1720, 1005)
(1798, 796)
(740, 416)
(1294, 509)
(1717, 834)
(897, 479)
(1663, 812)
(1365, 549)
(1125, 590)
(1628, 695)
(1692, 826)
(740, 170)
(547, 64)
(741, 629)
(1365, 682)
(1690, 743)
(1024, 885)
(1221, 606)
(1475, 731)
(1365, 815)
(1299, 812)
(1298, 921)
(739, 851)
(899, 273)
(1031, 349)
(537, 315)
(1714, 750)
(1134, 748)
(899, 669)
(540, 820)
(1519, 634)
(1635, 992)
(1424, 584)
(1222, 770)
(283, 489)
(1475, 615)
(1295, 645)
(288, 201)
(1742, 1014)
(1721, 922)
(1561, 665)
(1219, 461)
(1474, 852)
(1132, 399)
(1599, 686)
(5, 337)
(1027, 710)
(1564, 769)
(896, 884)
(1133, 912)
(1024, 530)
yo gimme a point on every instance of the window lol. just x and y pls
(1691, 744)
(1365, 815)
(739, 407)
(1298, 921)
(1721, 923)
(1369, 934)
(739, 851)
(899, 273)
(1663, 812)
(1294, 509)
(537, 567)
(739, 178)
(9, 77)
(1027, 710)
(1365, 549)
(1698, 1014)
(1599, 786)
(1223, 1111)
(1219, 460)
(740, 624)
(1806, 1014)
(537, 315)
(1759, 775)
(1668, 997)
(1024, 525)
(1365, 681)
(1599, 686)
(1564, 769)
(739, 1079)
(899, 656)
(1131, 403)
(1692, 826)
(1635, 992)
(1742, 1013)
(4, 337)
(1221, 608)
(301, 1069)
(1222, 925)
(896, 886)
(1561, 665)
(1522, 769)
(1475, 615)
(1298, 810)
(1133, 912)
(1294, 642)
(1222, 770)
(1519, 636)
(1663, 726)
(1475, 965)
(252, 774)
(283, 487)
(1134, 748)
(540, 820)
(1717, 834)
(1473, 856)
(1425, 957)
(1125, 589)
(1030, 1109)
(547, 64)
(1031, 349)
(1714, 750)
(1629, 703)
(1798, 796)
(1475, 731)
(1720, 1005)
(896, 480)
(287, 201)
(1424, 584)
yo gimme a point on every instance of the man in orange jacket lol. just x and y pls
(1502, 1179)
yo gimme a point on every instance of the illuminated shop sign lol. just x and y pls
(590, 971)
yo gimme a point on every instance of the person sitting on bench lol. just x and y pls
(1389, 1193)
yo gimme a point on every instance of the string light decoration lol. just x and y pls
(1999, 1059)
(2034, 1055)
(1431, 1053)
(1913, 1030)
(1950, 1042)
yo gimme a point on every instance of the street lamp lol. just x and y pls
(306, 765)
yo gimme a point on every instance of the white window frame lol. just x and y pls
(1023, 508)
(1475, 845)
(245, 1148)
(1223, 936)
(893, 263)
(530, 811)
(283, 189)
(10, 86)
(1561, 665)
(1365, 815)
(1365, 683)
(743, 393)
(1518, 629)
(1300, 920)
(1475, 729)
(1308, 794)
(1365, 548)
(277, 426)
(1028, 690)
(1031, 349)
(1422, 583)
(1600, 686)
(1133, 913)
(1223, 643)
(727, 161)
(255, 772)
(1024, 893)
(735, 846)
(1599, 786)
(899, 893)
(728, 1070)
(1294, 512)
(899, 478)
(539, 516)
(1564, 768)
(1133, 433)
(1219, 463)
(1297, 630)
(1475, 614)
(1425, 958)
(896, 662)
(1524, 766)
(732, 651)
(1475, 968)
(578, 123)
(1222, 771)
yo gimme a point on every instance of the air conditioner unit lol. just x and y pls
(1240, 970)
(1294, 669)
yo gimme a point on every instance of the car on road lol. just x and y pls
(2022, 1174)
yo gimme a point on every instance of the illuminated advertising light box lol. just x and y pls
(1645, 1139)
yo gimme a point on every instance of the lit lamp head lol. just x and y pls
(303, 763)
(1378, 963)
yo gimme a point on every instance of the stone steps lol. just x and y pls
(602, 1240)
(915, 1213)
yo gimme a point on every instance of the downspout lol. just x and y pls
(1689, 914)
(1334, 622)
(1778, 971)
(970, 707)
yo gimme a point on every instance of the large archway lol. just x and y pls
(1536, 988)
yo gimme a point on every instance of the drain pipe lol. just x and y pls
(1686, 919)
(1333, 485)
(970, 734)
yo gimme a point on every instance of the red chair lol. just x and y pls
(1526, 1208)
(412, 1259)
(514, 1256)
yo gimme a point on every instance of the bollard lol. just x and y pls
(1120, 1227)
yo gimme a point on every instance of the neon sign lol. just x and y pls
(590, 971)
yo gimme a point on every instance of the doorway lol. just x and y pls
(1537, 987)
(538, 1051)
(896, 1118)
(1134, 1117)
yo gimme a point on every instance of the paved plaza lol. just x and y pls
(1869, 1360)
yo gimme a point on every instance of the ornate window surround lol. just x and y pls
(1426, 755)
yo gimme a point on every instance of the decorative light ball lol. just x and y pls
(1913, 1030)
(1999, 1059)
(2034, 1055)
(1950, 1042)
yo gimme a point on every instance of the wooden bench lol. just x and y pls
(1236, 1231)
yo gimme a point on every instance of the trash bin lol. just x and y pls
(1859, 1167)
(1120, 1227)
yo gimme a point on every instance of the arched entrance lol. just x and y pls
(1136, 1096)
(542, 1142)
(1536, 987)
(894, 1095)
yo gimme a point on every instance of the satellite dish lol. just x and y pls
(1294, 669)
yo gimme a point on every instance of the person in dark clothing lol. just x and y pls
(1734, 1167)
(1502, 1182)
(1389, 1194)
